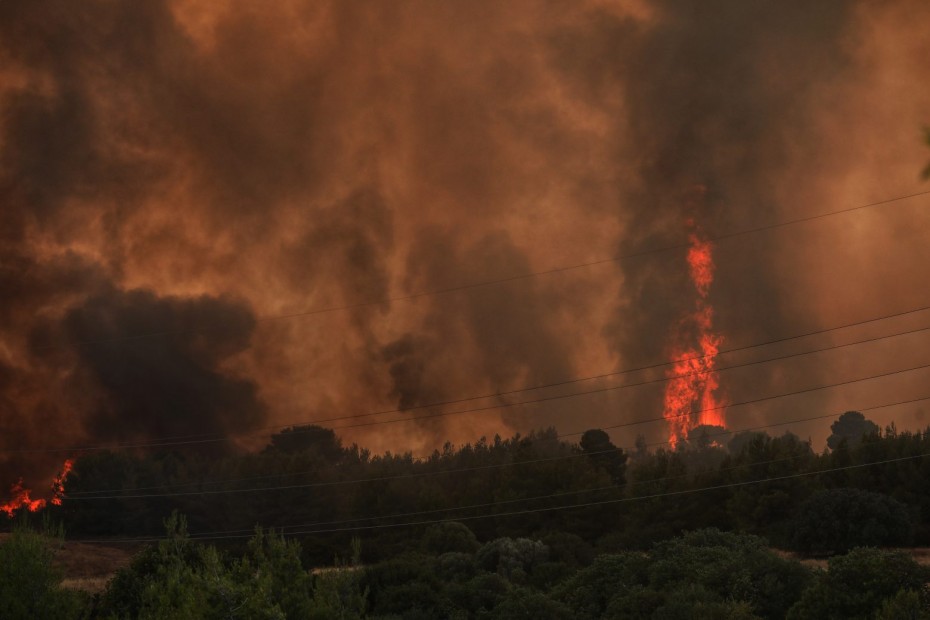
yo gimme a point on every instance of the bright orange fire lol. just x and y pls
(689, 395)
(21, 496)
(21, 499)
(58, 484)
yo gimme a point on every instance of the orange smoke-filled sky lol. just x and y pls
(210, 175)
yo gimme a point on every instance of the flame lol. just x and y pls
(700, 264)
(58, 484)
(690, 398)
(22, 497)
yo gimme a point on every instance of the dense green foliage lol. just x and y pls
(526, 527)
(180, 578)
(701, 574)
(864, 583)
(721, 574)
(709, 572)
(306, 480)
(30, 586)
(837, 520)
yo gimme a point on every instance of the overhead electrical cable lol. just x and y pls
(603, 488)
(564, 382)
(539, 510)
(627, 449)
(332, 483)
(776, 396)
(80, 494)
(613, 487)
(213, 438)
(616, 501)
(513, 278)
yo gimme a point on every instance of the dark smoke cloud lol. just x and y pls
(719, 100)
(492, 338)
(170, 383)
(342, 258)
(200, 167)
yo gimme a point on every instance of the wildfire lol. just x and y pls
(690, 398)
(58, 484)
(22, 497)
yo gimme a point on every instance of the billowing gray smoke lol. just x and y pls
(254, 185)
(718, 101)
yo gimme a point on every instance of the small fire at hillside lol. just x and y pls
(21, 497)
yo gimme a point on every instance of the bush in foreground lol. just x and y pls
(30, 587)
(837, 520)
(865, 582)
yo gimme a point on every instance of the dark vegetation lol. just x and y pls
(526, 527)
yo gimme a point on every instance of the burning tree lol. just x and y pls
(21, 497)
(690, 395)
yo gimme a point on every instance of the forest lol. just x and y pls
(532, 526)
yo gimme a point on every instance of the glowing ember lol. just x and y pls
(21, 497)
(689, 395)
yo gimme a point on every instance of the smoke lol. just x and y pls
(504, 335)
(715, 106)
(196, 169)
(171, 383)
(727, 101)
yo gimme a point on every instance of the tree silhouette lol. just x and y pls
(597, 444)
(850, 426)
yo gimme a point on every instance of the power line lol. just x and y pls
(628, 449)
(563, 382)
(514, 278)
(605, 488)
(617, 501)
(794, 393)
(663, 379)
(620, 387)
(539, 510)
(80, 494)
(331, 483)
(521, 499)
(201, 439)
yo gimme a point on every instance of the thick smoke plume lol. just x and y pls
(170, 382)
(247, 187)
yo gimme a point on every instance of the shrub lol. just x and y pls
(523, 603)
(836, 520)
(589, 591)
(29, 585)
(511, 556)
(860, 583)
(455, 566)
(449, 536)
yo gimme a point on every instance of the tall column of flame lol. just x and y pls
(690, 398)
(22, 497)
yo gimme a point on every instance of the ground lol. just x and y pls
(89, 567)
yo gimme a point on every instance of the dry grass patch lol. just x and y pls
(89, 567)
(82, 562)
(921, 555)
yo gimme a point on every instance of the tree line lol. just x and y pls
(305, 481)
(526, 526)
